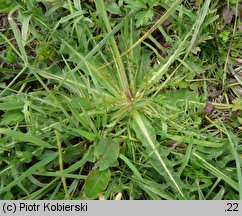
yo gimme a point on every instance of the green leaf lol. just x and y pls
(18, 35)
(6, 5)
(113, 8)
(217, 172)
(45, 53)
(220, 194)
(88, 156)
(11, 55)
(233, 2)
(146, 134)
(71, 16)
(137, 4)
(12, 105)
(26, 138)
(179, 98)
(237, 104)
(72, 153)
(108, 151)
(224, 35)
(12, 117)
(143, 17)
(152, 3)
(96, 183)
(131, 166)
(104, 78)
(30, 171)
(85, 134)
(25, 29)
(24, 156)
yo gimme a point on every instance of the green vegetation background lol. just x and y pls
(120, 99)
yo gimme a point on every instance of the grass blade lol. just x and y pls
(18, 36)
(26, 138)
(63, 178)
(238, 161)
(198, 26)
(217, 172)
(30, 171)
(101, 76)
(25, 29)
(120, 66)
(144, 132)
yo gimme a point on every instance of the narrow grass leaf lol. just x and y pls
(145, 133)
(200, 20)
(69, 17)
(63, 178)
(85, 134)
(154, 189)
(30, 171)
(18, 37)
(156, 77)
(194, 141)
(131, 166)
(220, 194)
(26, 138)
(11, 105)
(25, 29)
(101, 76)
(238, 160)
(120, 66)
(44, 189)
(217, 172)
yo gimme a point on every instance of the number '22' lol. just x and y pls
(232, 207)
